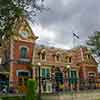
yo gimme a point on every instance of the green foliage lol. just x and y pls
(94, 43)
(31, 90)
(10, 10)
(12, 98)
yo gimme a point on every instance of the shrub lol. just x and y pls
(31, 90)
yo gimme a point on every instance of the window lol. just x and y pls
(88, 56)
(23, 52)
(43, 55)
(70, 59)
(45, 73)
(57, 57)
(23, 74)
(66, 59)
(91, 74)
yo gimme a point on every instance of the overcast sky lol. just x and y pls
(55, 27)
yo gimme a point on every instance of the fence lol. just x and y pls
(21, 86)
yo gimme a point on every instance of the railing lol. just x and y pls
(24, 61)
(55, 87)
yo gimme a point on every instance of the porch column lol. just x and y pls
(78, 82)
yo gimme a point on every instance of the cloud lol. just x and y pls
(64, 18)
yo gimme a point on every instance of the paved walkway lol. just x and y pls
(86, 95)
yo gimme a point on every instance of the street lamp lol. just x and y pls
(39, 64)
(68, 66)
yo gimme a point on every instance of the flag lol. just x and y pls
(75, 35)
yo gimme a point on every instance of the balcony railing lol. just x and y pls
(24, 61)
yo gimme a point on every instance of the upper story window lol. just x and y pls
(23, 52)
(88, 56)
(43, 55)
(57, 57)
(68, 59)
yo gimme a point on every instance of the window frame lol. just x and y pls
(27, 50)
(43, 51)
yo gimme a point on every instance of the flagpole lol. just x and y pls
(75, 36)
(73, 42)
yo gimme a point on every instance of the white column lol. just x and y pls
(11, 63)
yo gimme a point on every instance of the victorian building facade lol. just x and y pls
(59, 70)
(65, 69)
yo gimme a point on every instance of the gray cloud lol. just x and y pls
(68, 16)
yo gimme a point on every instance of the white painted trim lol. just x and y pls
(23, 46)
(91, 72)
(17, 71)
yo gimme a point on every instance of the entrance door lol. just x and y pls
(45, 78)
(23, 76)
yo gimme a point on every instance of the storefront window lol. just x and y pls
(45, 73)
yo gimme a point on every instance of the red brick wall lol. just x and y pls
(17, 45)
(88, 68)
(16, 57)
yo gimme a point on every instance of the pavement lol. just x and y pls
(85, 95)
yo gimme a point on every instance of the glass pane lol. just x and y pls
(43, 72)
(47, 73)
(23, 52)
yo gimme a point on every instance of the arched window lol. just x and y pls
(23, 52)
(57, 56)
(70, 59)
(43, 54)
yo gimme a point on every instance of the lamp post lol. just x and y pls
(39, 92)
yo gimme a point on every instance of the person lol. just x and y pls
(4, 90)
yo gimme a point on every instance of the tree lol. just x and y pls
(94, 43)
(31, 90)
(11, 10)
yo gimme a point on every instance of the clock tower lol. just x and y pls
(21, 53)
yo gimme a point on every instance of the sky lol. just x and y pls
(55, 27)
